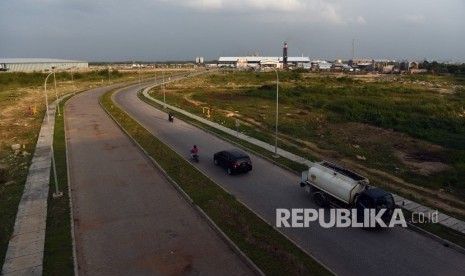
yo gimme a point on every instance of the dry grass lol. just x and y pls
(391, 159)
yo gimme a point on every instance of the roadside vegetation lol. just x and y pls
(22, 109)
(58, 251)
(404, 132)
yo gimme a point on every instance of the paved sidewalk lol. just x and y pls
(26, 248)
(443, 219)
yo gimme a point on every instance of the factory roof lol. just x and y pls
(258, 59)
(36, 60)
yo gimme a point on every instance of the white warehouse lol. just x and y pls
(39, 64)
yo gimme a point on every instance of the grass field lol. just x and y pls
(22, 109)
(404, 132)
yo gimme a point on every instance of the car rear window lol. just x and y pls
(241, 160)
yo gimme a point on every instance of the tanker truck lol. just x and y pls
(333, 186)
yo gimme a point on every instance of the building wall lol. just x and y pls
(27, 65)
(43, 66)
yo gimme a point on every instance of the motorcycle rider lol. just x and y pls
(194, 151)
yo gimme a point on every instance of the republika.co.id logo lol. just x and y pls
(343, 218)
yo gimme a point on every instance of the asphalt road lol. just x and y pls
(347, 251)
(128, 219)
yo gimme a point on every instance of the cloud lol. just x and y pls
(276, 10)
(413, 19)
(358, 20)
(240, 5)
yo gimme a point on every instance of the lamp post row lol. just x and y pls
(277, 115)
(57, 193)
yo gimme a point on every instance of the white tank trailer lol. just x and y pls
(332, 185)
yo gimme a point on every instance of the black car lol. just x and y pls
(233, 161)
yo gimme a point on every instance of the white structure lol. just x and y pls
(254, 61)
(40, 64)
(199, 60)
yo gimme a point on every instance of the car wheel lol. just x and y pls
(215, 161)
(230, 171)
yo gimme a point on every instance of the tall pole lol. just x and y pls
(353, 50)
(57, 192)
(164, 94)
(139, 78)
(72, 79)
(277, 114)
(56, 93)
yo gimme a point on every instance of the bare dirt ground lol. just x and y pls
(17, 117)
(415, 155)
(421, 157)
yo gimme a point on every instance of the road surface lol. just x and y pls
(128, 218)
(347, 251)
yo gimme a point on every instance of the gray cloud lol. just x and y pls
(184, 29)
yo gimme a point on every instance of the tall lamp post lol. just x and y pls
(72, 80)
(276, 128)
(56, 93)
(57, 193)
(164, 94)
(139, 78)
(109, 75)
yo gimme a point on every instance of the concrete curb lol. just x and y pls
(71, 215)
(25, 251)
(444, 242)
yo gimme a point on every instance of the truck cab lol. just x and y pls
(375, 198)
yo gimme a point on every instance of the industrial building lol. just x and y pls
(39, 64)
(256, 61)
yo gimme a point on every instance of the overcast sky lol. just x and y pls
(158, 30)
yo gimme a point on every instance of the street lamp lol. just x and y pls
(139, 78)
(57, 193)
(109, 75)
(276, 129)
(56, 93)
(72, 79)
(164, 94)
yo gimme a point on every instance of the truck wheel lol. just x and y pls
(319, 199)
(230, 171)
(215, 161)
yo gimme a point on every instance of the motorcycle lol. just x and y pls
(195, 157)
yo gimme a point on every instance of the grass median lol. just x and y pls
(273, 253)
(58, 251)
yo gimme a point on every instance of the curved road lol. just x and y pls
(128, 219)
(347, 251)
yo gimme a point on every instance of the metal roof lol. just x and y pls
(36, 60)
(258, 59)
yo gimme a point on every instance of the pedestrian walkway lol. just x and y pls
(26, 248)
(443, 219)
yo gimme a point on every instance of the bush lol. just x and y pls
(3, 175)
